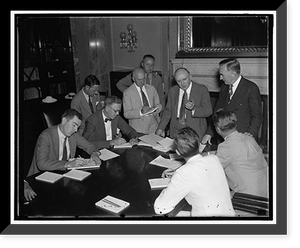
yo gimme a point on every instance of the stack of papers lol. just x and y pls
(151, 111)
(112, 204)
(159, 183)
(127, 145)
(157, 142)
(77, 174)
(87, 164)
(167, 163)
(49, 177)
(151, 139)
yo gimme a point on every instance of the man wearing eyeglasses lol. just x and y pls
(105, 127)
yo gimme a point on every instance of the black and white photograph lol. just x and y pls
(146, 123)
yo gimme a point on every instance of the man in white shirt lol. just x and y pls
(201, 181)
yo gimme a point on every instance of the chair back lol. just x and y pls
(51, 117)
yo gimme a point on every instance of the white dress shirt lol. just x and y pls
(61, 138)
(202, 182)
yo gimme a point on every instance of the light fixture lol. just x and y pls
(131, 43)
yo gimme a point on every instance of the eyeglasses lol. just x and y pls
(115, 111)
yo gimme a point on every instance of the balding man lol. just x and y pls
(138, 100)
(188, 105)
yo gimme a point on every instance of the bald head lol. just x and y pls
(138, 76)
(183, 78)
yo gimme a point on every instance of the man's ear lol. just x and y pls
(64, 120)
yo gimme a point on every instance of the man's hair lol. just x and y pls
(91, 80)
(181, 68)
(186, 142)
(148, 56)
(70, 113)
(232, 64)
(225, 120)
(112, 99)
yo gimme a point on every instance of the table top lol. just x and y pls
(124, 177)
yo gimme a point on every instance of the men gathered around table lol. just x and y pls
(241, 157)
(138, 100)
(56, 145)
(201, 181)
(151, 78)
(104, 128)
(188, 105)
(88, 99)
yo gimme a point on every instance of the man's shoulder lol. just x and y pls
(48, 132)
(95, 116)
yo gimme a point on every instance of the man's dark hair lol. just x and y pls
(91, 80)
(225, 120)
(232, 64)
(149, 56)
(187, 142)
(112, 99)
(70, 113)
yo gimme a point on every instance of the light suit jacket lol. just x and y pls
(80, 104)
(132, 105)
(46, 153)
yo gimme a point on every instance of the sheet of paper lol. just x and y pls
(112, 204)
(151, 139)
(125, 145)
(86, 164)
(77, 174)
(49, 177)
(150, 112)
(167, 163)
(159, 183)
(107, 154)
(166, 142)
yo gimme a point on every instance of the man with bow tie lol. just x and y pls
(104, 128)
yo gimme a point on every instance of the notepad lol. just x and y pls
(49, 177)
(87, 164)
(107, 154)
(159, 183)
(151, 139)
(151, 111)
(166, 163)
(77, 174)
(112, 204)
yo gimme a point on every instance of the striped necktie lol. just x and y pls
(145, 100)
(230, 92)
(184, 100)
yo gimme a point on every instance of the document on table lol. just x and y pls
(107, 154)
(127, 145)
(159, 183)
(167, 163)
(86, 164)
(112, 204)
(151, 139)
(77, 174)
(49, 177)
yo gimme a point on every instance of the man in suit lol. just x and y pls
(88, 99)
(240, 96)
(151, 78)
(188, 105)
(104, 128)
(57, 145)
(138, 100)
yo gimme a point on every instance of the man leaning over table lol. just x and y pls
(56, 145)
(200, 180)
(104, 128)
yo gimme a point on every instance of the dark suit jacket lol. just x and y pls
(46, 153)
(94, 130)
(80, 104)
(200, 95)
(245, 103)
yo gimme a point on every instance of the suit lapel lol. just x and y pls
(238, 94)
(85, 103)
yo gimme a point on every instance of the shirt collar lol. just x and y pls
(236, 83)
(85, 95)
(60, 134)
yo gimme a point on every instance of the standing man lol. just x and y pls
(139, 100)
(57, 145)
(103, 127)
(151, 78)
(88, 99)
(188, 105)
(240, 96)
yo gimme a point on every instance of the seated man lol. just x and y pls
(138, 99)
(57, 144)
(201, 181)
(241, 157)
(103, 127)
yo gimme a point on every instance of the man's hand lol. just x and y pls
(206, 139)
(117, 142)
(77, 162)
(95, 157)
(168, 173)
(160, 132)
(190, 105)
(29, 194)
(133, 142)
(145, 109)
(249, 134)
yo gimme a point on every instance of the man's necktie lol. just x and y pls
(91, 104)
(65, 153)
(184, 100)
(230, 92)
(145, 100)
(147, 79)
